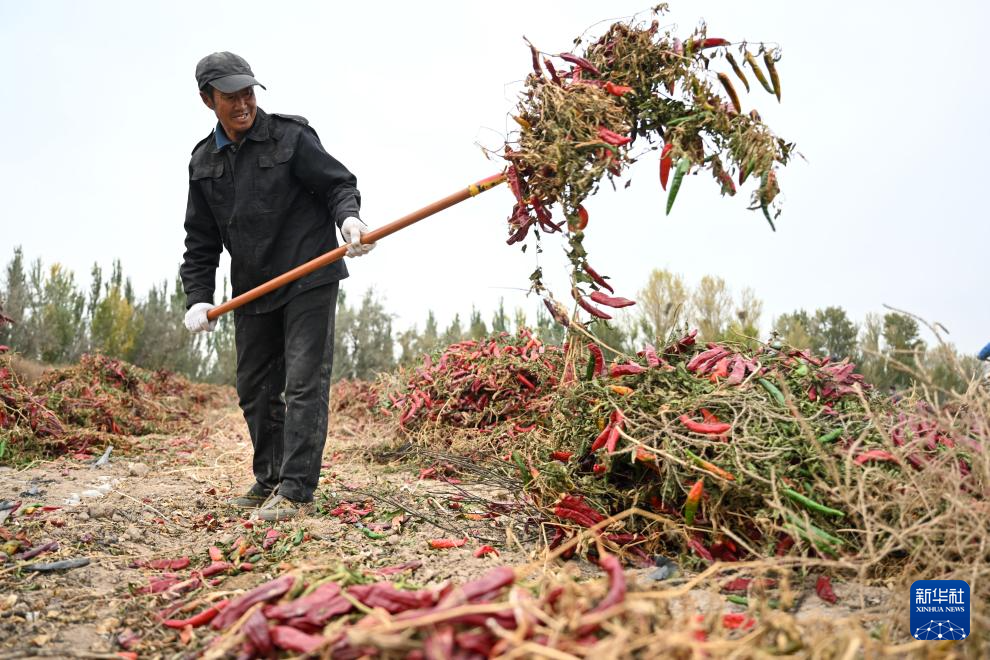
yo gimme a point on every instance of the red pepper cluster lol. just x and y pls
(69, 411)
(290, 616)
(479, 384)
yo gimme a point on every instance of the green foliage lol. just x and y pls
(363, 344)
(477, 329)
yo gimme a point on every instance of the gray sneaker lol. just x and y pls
(252, 499)
(279, 508)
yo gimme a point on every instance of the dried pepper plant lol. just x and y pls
(634, 90)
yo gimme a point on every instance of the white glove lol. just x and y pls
(351, 229)
(196, 320)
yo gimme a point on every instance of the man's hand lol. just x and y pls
(351, 229)
(196, 320)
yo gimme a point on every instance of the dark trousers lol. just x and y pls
(284, 360)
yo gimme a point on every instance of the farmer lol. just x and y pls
(263, 187)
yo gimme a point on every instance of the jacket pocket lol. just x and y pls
(273, 179)
(209, 177)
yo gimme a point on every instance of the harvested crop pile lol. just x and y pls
(589, 114)
(752, 453)
(348, 616)
(69, 410)
(500, 386)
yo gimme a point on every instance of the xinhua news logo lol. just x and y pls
(940, 609)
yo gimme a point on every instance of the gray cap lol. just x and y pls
(225, 71)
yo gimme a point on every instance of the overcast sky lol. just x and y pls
(886, 100)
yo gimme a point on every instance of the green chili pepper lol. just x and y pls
(371, 534)
(681, 120)
(683, 164)
(817, 537)
(589, 371)
(801, 370)
(738, 600)
(298, 537)
(830, 436)
(772, 391)
(811, 504)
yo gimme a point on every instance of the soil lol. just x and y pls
(167, 497)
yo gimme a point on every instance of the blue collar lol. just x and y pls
(221, 137)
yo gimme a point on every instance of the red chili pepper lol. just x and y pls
(823, 587)
(709, 416)
(701, 427)
(485, 550)
(631, 369)
(581, 62)
(591, 309)
(573, 507)
(728, 185)
(169, 564)
(558, 315)
(599, 358)
(525, 381)
(652, 359)
(582, 218)
(267, 591)
(562, 456)
(613, 138)
(536, 61)
(216, 567)
(617, 90)
(735, 620)
(216, 554)
(446, 544)
(721, 370)
(616, 590)
(598, 468)
(552, 71)
(512, 176)
(290, 639)
(617, 301)
(693, 500)
(666, 163)
(601, 439)
(200, 619)
(700, 549)
(710, 42)
(613, 438)
(875, 455)
(783, 545)
(599, 280)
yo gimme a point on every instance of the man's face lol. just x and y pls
(235, 111)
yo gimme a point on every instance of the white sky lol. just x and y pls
(886, 100)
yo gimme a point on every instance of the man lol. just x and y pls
(262, 186)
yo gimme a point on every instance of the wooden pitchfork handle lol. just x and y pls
(368, 237)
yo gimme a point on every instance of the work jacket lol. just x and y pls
(272, 201)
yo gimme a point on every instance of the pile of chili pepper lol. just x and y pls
(344, 615)
(73, 409)
(745, 448)
(588, 114)
(505, 382)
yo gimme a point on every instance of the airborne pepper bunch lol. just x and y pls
(637, 88)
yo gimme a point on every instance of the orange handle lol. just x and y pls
(370, 237)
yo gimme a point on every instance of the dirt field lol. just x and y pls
(166, 499)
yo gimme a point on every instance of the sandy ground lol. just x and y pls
(166, 498)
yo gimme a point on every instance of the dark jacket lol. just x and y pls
(272, 201)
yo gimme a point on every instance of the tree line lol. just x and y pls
(56, 319)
